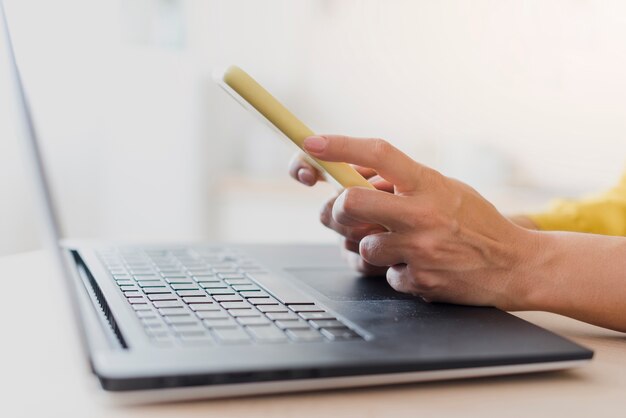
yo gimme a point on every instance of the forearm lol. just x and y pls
(582, 276)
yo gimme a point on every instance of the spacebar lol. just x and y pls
(281, 289)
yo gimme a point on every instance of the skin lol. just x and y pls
(438, 238)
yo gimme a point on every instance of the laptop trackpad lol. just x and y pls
(345, 285)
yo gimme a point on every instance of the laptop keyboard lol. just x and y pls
(209, 296)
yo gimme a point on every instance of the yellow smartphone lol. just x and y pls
(247, 91)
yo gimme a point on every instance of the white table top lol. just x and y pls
(43, 373)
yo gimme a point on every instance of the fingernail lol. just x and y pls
(305, 176)
(315, 144)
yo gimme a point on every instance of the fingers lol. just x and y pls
(351, 233)
(390, 163)
(356, 206)
(399, 278)
(304, 172)
(384, 249)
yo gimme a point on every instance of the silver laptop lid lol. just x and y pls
(28, 134)
(33, 159)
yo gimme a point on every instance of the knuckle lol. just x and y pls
(425, 213)
(424, 282)
(381, 147)
(427, 247)
(351, 200)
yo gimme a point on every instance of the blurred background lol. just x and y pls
(523, 100)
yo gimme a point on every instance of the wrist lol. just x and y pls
(526, 289)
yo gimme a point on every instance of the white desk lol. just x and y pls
(43, 373)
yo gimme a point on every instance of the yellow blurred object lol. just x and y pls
(287, 123)
(601, 214)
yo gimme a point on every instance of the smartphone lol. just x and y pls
(248, 92)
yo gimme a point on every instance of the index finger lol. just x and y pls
(390, 163)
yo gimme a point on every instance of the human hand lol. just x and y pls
(308, 175)
(437, 236)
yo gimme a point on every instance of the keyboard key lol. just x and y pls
(327, 323)
(179, 320)
(200, 272)
(197, 299)
(235, 305)
(153, 323)
(220, 323)
(238, 281)
(129, 287)
(224, 291)
(137, 301)
(173, 311)
(272, 308)
(146, 314)
(179, 280)
(232, 276)
(262, 300)
(191, 293)
(142, 272)
(204, 307)
(244, 312)
(316, 315)
(178, 286)
(304, 335)
(282, 316)
(253, 293)
(266, 333)
(168, 304)
(339, 333)
(213, 285)
(212, 314)
(253, 320)
(228, 298)
(122, 276)
(162, 296)
(173, 275)
(248, 287)
(140, 306)
(231, 335)
(150, 278)
(209, 277)
(133, 294)
(158, 332)
(125, 282)
(299, 324)
(306, 308)
(150, 283)
(153, 290)
(190, 327)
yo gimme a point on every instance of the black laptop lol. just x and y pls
(175, 322)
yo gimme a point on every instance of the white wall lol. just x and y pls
(141, 143)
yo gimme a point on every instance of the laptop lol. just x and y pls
(171, 322)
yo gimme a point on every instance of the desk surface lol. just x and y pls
(44, 374)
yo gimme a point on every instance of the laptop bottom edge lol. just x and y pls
(286, 386)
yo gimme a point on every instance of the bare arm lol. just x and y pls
(582, 276)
